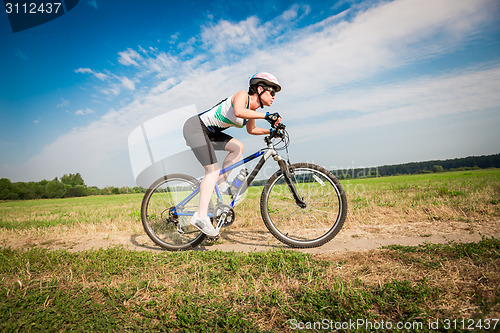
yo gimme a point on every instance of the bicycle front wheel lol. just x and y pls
(165, 222)
(313, 225)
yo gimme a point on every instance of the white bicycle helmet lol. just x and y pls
(267, 79)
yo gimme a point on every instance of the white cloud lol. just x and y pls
(422, 98)
(127, 83)
(99, 75)
(64, 103)
(84, 70)
(112, 90)
(332, 53)
(234, 36)
(164, 86)
(129, 58)
(83, 112)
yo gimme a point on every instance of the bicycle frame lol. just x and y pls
(265, 153)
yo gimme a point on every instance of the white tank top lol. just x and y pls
(222, 116)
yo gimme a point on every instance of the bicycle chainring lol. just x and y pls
(227, 212)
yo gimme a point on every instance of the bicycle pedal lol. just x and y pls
(213, 238)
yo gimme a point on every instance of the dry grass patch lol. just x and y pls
(466, 275)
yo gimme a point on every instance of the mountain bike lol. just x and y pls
(303, 205)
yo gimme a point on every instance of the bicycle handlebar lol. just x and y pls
(278, 132)
(280, 126)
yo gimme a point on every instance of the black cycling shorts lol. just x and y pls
(203, 143)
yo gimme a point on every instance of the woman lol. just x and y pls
(204, 134)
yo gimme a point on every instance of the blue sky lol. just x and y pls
(365, 83)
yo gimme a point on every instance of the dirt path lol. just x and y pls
(349, 239)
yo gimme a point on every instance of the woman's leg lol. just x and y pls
(200, 219)
(235, 149)
(207, 188)
(197, 138)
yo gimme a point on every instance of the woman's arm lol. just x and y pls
(240, 100)
(251, 129)
(240, 110)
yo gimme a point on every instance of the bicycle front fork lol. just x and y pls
(285, 170)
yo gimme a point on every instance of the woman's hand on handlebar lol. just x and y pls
(273, 118)
(276, 131)
(276, 127)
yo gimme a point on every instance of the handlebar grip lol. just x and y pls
(278, 132)
(279, 126)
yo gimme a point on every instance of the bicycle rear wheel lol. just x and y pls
(313, 225)
(165, 224)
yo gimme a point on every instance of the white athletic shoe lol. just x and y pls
(204, 225)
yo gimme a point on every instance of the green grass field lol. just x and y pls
(122, 290)
(452, 286)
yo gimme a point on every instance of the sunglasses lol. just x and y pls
(271, 90)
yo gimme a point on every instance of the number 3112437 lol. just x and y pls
(33, 8)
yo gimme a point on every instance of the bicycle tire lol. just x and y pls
(159, 225)
(317, 223)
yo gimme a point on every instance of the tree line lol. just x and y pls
(457, 164)
(68, 186)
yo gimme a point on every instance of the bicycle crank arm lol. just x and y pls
(221, 221)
